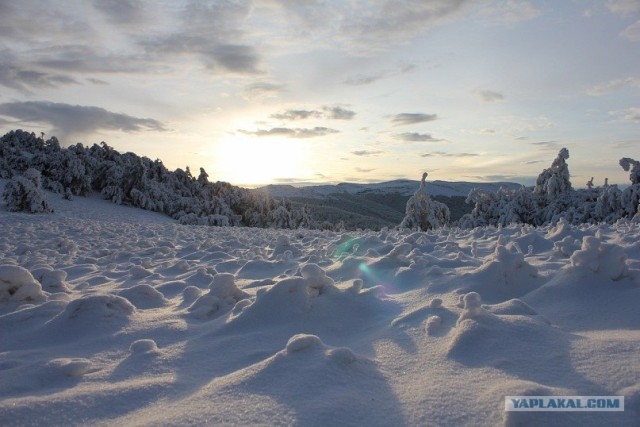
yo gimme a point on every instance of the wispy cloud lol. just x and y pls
(510, 12)
(121, 11)
(364, 153)
(330, 113)
(614, 85)
(297, 115)
(444, 154)
(363, 170)
(26, 80)
(522, 179)
(369, 78)
(365, 79)
(259, 90)
(623, 7)
(416, 137)
(632, 32)
(630, 114)
(489, 96)
(388, 22)
(76, 119)
(299, 133)
(98, 82)
(338, 113)
(412, 118)
(546, 145)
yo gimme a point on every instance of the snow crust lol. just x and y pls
(116, 316)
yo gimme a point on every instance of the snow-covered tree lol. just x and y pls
(554, 181)
(631, 195)
(24, 193)
(423, 213)
(138, 181)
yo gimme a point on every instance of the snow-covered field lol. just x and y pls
(117, 316)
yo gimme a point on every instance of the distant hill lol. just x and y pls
(376, 205)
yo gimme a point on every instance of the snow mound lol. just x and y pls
(504, 275)
(472, 308)
(143, 346)
(311, 304)
(70, 367)
(511, 307)
(144, 296)
(305, 342)
(323, 384)
(523, 346)
(17, 284)
(52, 281)
(433, 324)
(302, 342)
(606, 259)
(261, 269)
(95, 307)
(222, 297)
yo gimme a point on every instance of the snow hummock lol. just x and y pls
(115, 316)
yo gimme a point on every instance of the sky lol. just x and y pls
(320, 91)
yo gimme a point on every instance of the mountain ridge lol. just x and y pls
(405, 187)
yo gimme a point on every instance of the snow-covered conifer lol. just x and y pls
(24, 194)
(555, 180)
(423, 213)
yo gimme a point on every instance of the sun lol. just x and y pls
(252, 162)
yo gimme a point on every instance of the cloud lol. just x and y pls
(129, 36)
(489, 96)
(299, 133)
(24, 79)
(121, 11)
(97, 82)
(623, 7)
(510, 12)
(546, 145)
(364, 153)
(240, 59)
(416, 137)
(331, 113)
(533, 162)
(630, 114)
(444, 154)
(632, 32)
(372, 26)
(364, 79)
(488, 131)
(262, 90)
(338, 113)
(363, 170)
(369, 78)
(291, 180)
(521, 179)
(412, 118)
(296, 115)
(76, 119)
(614, 85)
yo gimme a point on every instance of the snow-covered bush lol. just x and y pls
(553, 199)
(25, 194)
(18, 284)
(631, 195)
(422, 213)
(137, 181)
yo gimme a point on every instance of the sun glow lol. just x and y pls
(253, 162)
